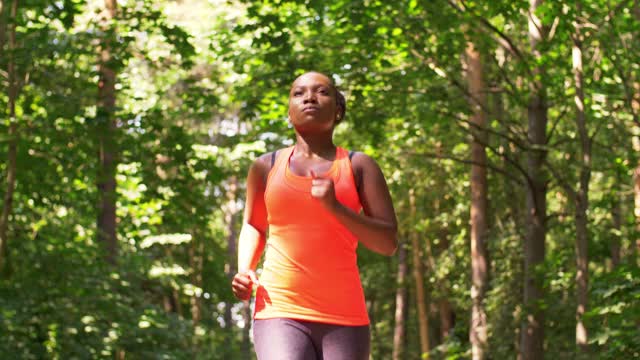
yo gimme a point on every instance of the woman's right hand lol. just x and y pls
(242, 284)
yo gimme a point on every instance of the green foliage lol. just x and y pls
(202, 91)
(615, 317)
(63, 304)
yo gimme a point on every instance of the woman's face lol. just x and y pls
(312, 103)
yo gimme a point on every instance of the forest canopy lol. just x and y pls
(508, 131)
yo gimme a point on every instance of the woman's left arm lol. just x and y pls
(377, 228)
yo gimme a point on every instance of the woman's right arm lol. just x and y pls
(253, 234)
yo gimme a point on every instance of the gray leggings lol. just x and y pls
(288, 339)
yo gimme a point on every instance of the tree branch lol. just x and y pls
(469, 162)
(550, 134)
(561, 180)
(503, 39)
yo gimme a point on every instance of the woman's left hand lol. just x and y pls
(323, 190)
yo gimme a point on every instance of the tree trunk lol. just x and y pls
(635, 244)
(616, 215)
(172, 301)
(515, 198)
(246, 332)
(444, 306)
(534, 243)
(167, 303)
(231, 212)
(401, 304)
(581, 198)
(13, 134)
(120, 355)
(3, 27)
(421, 297)
(106, 134)
(446, 318)
(445, 310)
(196, 253)
(175, 295)
(635, 112)
(372, 302)
(479, 269)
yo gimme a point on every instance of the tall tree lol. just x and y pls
(581, 196)
(231, 219)
(532, 335)
(13, 130)
(445, 310)
(401, 304)
(245, 348)
(106, 128)
(633, 97)
(3, 29)
(616, 217)
(479, 263)
(421, 297)
(196, 254)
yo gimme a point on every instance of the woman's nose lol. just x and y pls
(309, 97)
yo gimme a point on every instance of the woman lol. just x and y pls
(309, 299)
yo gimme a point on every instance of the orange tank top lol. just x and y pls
(310, 270)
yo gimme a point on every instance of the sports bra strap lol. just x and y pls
(351, 153)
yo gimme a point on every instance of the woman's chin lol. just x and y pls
(312, 127)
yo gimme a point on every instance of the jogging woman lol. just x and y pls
(316, 201)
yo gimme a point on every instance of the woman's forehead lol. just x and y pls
(312, 78)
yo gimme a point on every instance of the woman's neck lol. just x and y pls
(312, 146)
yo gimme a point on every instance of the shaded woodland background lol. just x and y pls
(509, 132)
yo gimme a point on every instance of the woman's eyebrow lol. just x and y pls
(314, 87)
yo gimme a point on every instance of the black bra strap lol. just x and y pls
(273, 161)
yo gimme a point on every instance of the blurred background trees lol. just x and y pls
(509, 133)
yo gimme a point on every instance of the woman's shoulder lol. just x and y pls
(363, 167)
(264, 163)
(361, 161)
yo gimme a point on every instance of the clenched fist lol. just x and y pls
(242, 284)
(323, 190)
